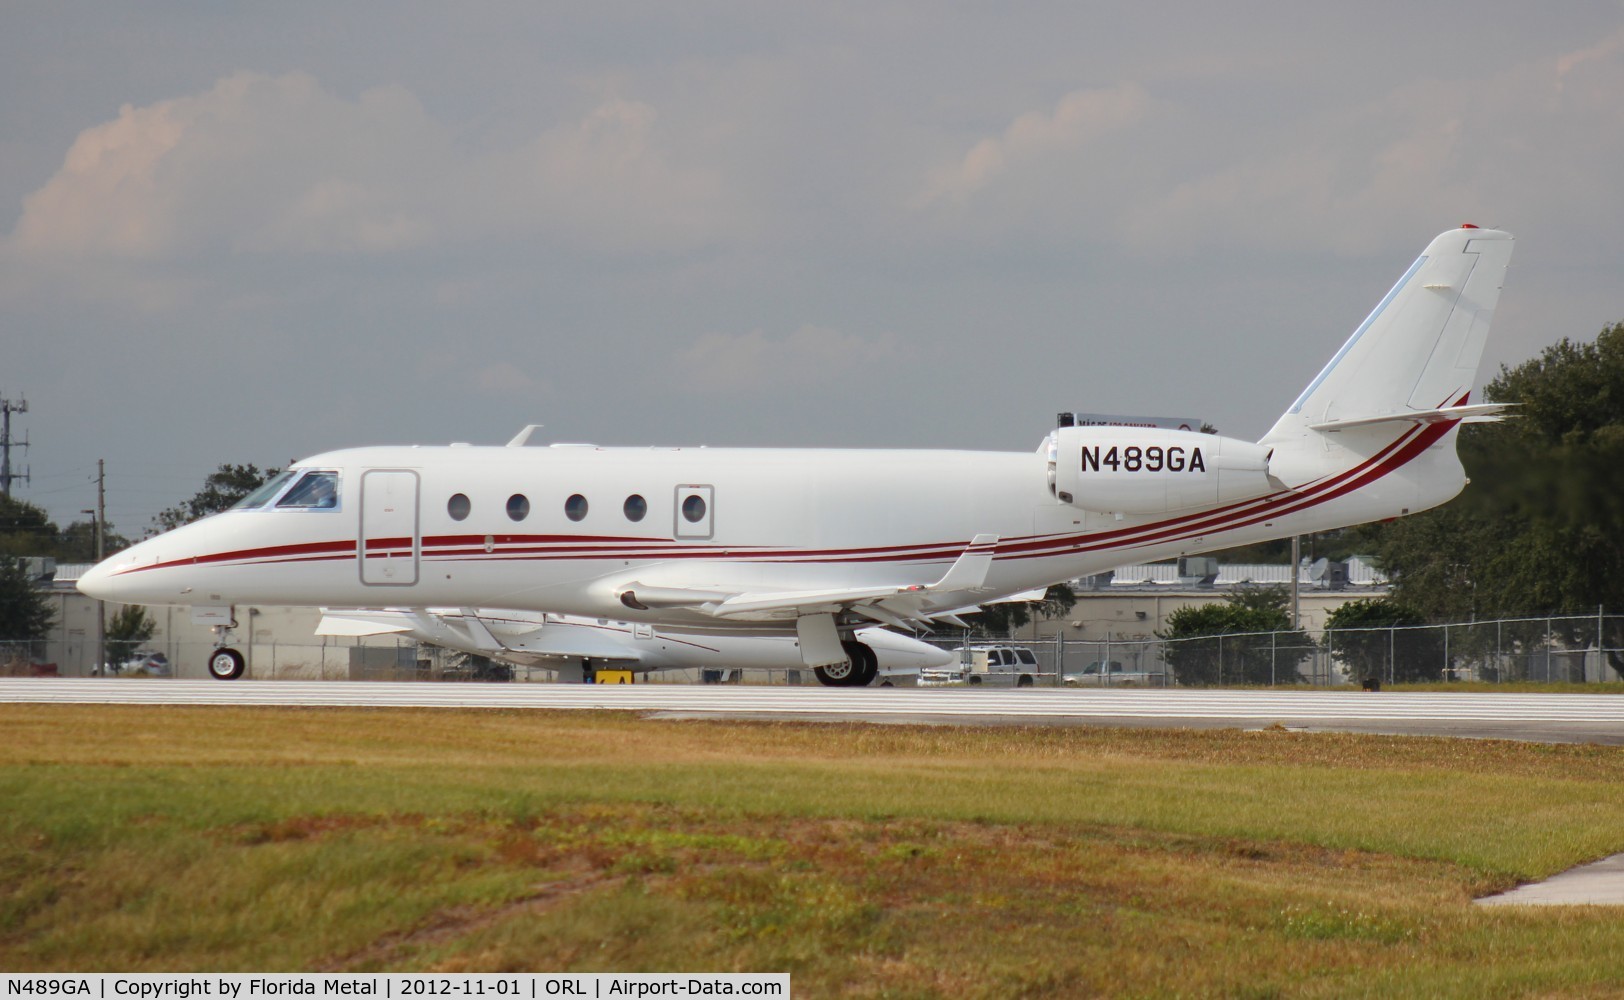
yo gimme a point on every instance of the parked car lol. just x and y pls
(1110, 673)
(990, 665)
(141, 664)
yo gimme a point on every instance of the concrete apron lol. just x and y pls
(1600, 883)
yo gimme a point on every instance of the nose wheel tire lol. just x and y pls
(226, 664)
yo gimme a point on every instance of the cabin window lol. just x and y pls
(575, 507)
(693, 508)
(636, 508)
(313, 491)
(518, 506)
(458, 506)
(262, 496)
(1025, 656)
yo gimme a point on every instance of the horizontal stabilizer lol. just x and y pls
(1476, 413)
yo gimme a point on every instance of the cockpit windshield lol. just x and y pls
(262, 496)
(314, 491)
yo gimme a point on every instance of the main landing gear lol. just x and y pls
(859, 669)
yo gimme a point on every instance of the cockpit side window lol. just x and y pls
(314, 491)
(262, 496)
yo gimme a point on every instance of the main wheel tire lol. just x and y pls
(226, 664)
(835, 674)
(1024, 681)
(866, 664)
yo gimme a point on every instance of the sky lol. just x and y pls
(244, 232)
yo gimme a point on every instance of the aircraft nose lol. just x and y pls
(99, 581)
(117, 578)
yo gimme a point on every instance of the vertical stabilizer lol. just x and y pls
(1419, 349)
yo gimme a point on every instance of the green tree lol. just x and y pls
(127, 631)
(77, 542)
(25, 610)
(1537, 530)
(223, 488)
(1379, 638)
(1248, 639)
(1004, 618)
(25, 530)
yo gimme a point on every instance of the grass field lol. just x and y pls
(864, 860)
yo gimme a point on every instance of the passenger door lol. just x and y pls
(389, 540)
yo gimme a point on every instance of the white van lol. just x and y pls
(993, 666)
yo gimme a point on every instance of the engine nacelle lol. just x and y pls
(1144, 470)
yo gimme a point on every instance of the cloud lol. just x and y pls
(747, 362)
(506, 379)
(1079, 117)
(262, 164)
(1603, 50)
(1516, 145)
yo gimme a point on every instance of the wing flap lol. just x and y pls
(900, 601)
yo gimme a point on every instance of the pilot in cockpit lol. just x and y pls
(315, 491)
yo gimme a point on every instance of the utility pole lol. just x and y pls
(100, 515)
(101, 536)
(7, 408)
(1296, 587)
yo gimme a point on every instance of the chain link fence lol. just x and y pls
(1577, 649)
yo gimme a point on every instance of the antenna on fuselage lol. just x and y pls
(523, 437)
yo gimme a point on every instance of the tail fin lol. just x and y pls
(1416, 356)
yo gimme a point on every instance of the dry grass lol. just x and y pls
(866, 860)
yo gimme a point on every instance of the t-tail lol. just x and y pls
(1377, 427)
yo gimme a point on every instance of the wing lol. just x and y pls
(897, 604)
(495, 634)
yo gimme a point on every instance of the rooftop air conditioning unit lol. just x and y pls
(1198, 571)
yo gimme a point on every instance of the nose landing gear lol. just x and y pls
(226, 664)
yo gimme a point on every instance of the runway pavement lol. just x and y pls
(1554, 718)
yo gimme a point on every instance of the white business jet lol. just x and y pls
(820, 543)
(571, 646)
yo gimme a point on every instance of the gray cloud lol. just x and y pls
(260, 164)
(244, 233)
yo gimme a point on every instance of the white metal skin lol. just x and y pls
(849, 537)
(560, 642)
